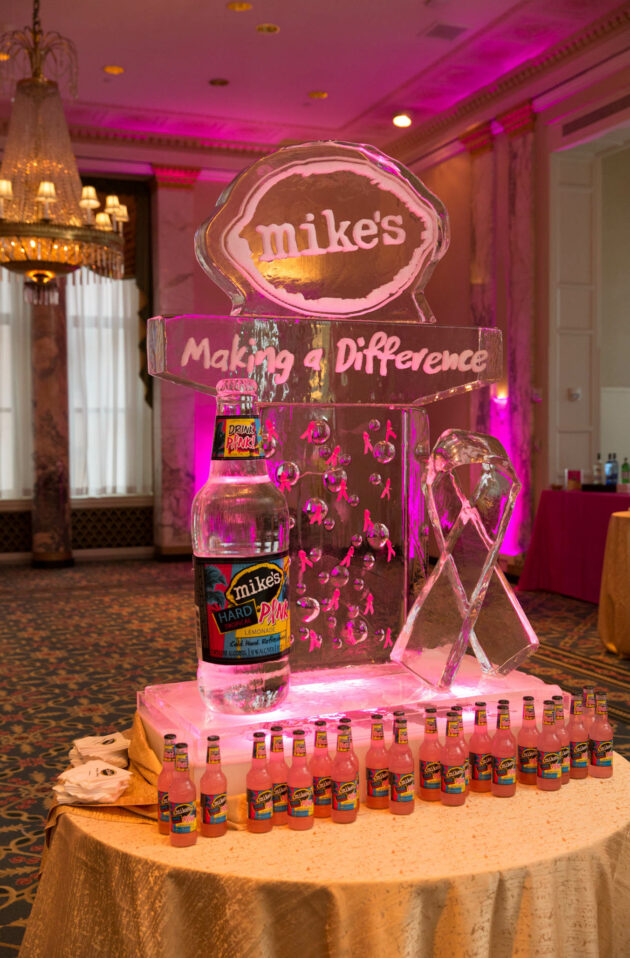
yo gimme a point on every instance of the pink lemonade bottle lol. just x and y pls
(504, 751)
(402, 779)
(321, 770)
(549, 773)
(163, 784)
(259, 789)
(578, 739)
(345, 794)
(353, 755)
(563, 736)
(460, 711)
(453, 785)
(377, 766)
(429, 759)
(600, 744)
(588, 703)
(213, 788)
(182, 800)
(527, 741)
(279, 770)
(300, 784)
(480, 752)
(397, 716)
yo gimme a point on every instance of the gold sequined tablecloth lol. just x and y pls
(544, 874)
(614, 597)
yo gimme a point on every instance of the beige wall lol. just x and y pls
(615, 271)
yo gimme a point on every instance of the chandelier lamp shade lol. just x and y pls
(47, 223)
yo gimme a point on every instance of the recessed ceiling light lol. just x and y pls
(401, 119)
(113, 70)
(218, 81)
(268, 28)
(238, 7)
(318, 94)
(5, 56)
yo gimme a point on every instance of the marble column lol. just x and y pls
(519, 127)
(173, 406)
(479, 143)
(51, 523)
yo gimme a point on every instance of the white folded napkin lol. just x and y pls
(93, 782)
(106, 748)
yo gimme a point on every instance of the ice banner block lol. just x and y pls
(466, 601)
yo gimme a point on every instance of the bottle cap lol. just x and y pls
(480, 705)
(320, 722)
(430, 710)
(298, 731)
(259, 734)
(213, 738)
(377, 717)
(528, 698)
(276, 728)
(343, 728)
(181, 746)
(169, 736)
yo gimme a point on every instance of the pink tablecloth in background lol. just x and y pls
(566, 553)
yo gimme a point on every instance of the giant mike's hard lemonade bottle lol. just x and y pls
(240, 533)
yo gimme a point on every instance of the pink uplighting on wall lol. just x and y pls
(501, 428)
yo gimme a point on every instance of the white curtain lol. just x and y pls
(16, 431)
(110, 423)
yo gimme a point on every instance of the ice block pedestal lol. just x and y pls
(323, 693)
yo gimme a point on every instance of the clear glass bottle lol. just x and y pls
(625, 471)
(240, 534)
(598, 471)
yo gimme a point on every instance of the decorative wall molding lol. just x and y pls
(478, 139)
(520, 119)
(175, 177)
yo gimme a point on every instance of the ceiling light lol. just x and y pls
(401, 119)
(218, 81)
(45, 228)
(238, 7)
(3, 55)
(268, 28)
(113, 70)
(318, 94)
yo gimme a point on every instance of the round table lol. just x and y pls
(545, 874)
(613, 619)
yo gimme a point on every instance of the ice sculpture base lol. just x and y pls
(329, 694)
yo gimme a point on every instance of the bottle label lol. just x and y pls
(504, 769)
(277, 744)
(430, 725)
(343, 742)
(549, 764)
(258, 748)
(453, 779)
(601, 753)
(214, 755)
(181, 761)
(402, 786)
(565, 758)
(322, 790)
(378, 732)
(430, 773)
(527, 759)
(503, 719)
(299, 748)
(280, 797)
(243, 607)
(481, 766)
(259, 804)
(528, 711)
(481, 719)
(345, 796)
(164, 809)
(377, 784)
(301, 801)
(183, 817)
(214, 808)
(321, 738)
(400, 735)
(236, 437)
(579, 754)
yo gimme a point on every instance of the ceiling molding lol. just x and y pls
(537, 68)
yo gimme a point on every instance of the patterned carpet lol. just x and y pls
(77, 643)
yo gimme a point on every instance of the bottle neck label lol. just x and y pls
(321, 738)
(452, 728)
(214, 754)
(529, 713)
(559, 711)
(277, 743)
(259, 750)
(242, 608)
(549, 716)
(169, 753)
(400, 735)
(214, 808)
(181, 761)
(481, 718)
(299, 748)
(503, 720)
(601, 708)
(378, 732)
(588, 699)
(430, 725)
(576, 707)
(236, 437)
(343, 742)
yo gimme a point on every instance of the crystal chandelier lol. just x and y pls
(47, 223)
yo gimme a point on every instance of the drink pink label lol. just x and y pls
(322, 790)
(504, 769)
(579, 754)
(259, 804)
(601, 753)
(321, 738)
(236, 437)
(214, 808)
(378, 733)
(299, 748)
(300, 801)
(183, 817)
(345, 796)
(453, 779)
(280, 797)
(481, 766)
(277, 744)
(164, 808)
(549, 764)
(402, 786)
(377, 782)
(430, 773)
(527, 759)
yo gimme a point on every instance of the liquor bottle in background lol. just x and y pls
(213, 789)
(600, 740)
(608, 470)
(429, 759)
(454, 755)
(504, 751)
(402, 788)
(240, 534)
(625, 472)
(614, 471)
(163, 784)
(549, 774)
(345, 720)
(598, 471)
(345, 794)
(321, 770)
(300, 783)
(377, 766)
(578, 738)
(279, 770)
(480, 752)
(563, 737)
(182, 800)
(527, 741)
(259, 788)
(588, 705)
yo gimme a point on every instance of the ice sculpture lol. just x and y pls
(324, 249)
